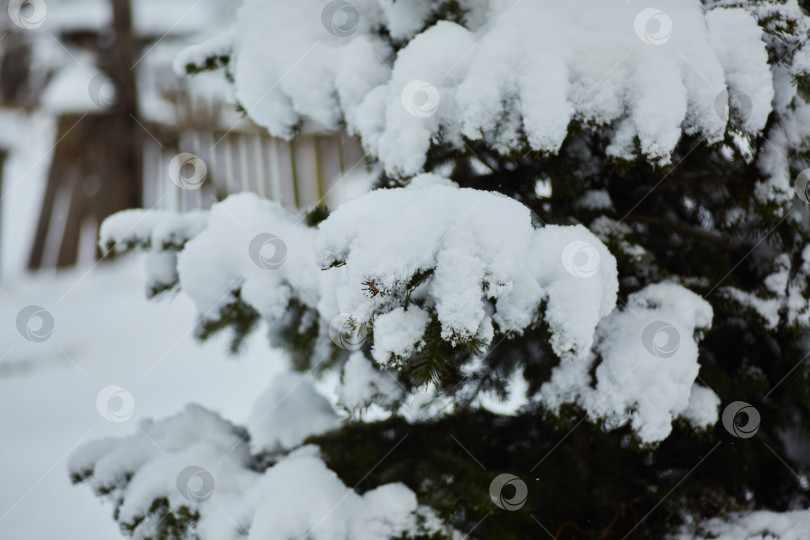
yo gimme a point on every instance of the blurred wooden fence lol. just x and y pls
(298, 173)
(104, 161)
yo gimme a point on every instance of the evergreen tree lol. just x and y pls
(575, 306)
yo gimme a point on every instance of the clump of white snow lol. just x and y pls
(515, 74)
(363, 384)
(454, 252)
(253, 245)
(144, 466)
(158, 229)
(197, 460)
(212, 50)
(648, 363)
(399, 333)
(289, 411)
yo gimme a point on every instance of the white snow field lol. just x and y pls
(105, 333)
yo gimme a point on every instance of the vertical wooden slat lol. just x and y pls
(213, 171)
(229, 172)
(341, 164)
(149, 188)
(275, 170)
(330, 159)
(318, 170)
(181, 193)
(259, 161)
(243, 163)
(198, 193)
(294, 175)
(55, 235)
(161, 179)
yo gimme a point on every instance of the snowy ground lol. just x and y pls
(105, 333)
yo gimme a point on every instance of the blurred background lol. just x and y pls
(92, 111)
(92, 115)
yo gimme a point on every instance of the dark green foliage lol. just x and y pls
(164, 523)
(211, 63)
(298, 333)
(316, 215)
(237, 315)
(159, 289)
(134, 243)
(583, 483)
(434, 362)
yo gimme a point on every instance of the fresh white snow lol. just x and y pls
(105, 333)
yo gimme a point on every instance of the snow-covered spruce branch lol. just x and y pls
(522, 76)
(192, 475)
(426, 280)
(161, 233)
(412, 267)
